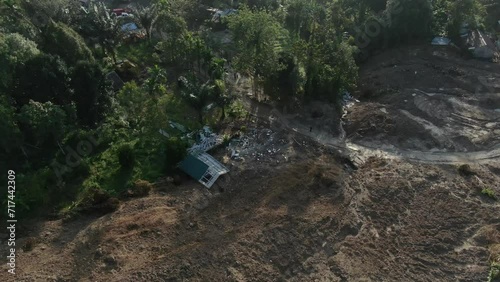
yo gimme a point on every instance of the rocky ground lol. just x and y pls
(296, 208)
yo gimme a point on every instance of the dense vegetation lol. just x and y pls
(66, 132)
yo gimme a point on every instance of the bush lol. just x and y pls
(93, 196)
(96, 200)
(141, 188)
(494, 272)
(465, 170)
(489, 193)
(126, 156)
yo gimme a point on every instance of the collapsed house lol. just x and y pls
(200, 165)
(219, 15)
(203, 167)
(481, 46)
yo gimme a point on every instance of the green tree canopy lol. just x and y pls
(13, 19)
(45, 122)
(410, 19)
(8, 126)
(259, 38)
(14, 50)
(60, 39)
(100, 24)
(43, 78)
(147, 17)
(92, 93)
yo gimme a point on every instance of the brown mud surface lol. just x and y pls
(429, 99)
(293, 209)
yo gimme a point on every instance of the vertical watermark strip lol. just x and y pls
(11, 221)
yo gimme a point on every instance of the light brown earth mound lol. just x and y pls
(307, 218)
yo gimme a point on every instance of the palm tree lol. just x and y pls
(147, 17)
(155, 83)
(221, 96)
(103, 26)
(196, 94)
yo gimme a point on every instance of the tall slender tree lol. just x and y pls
(147, 17)
(259, 38)
(101, 24)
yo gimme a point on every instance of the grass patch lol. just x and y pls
(488, 192)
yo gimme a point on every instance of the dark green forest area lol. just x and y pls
(69, 133)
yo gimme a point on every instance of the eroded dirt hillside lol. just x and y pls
(293, 209)
(427, 98)
(307, 218)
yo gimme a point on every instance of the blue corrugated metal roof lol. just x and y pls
(129, 27)
(193, 167)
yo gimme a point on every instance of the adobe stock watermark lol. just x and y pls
(74, 156)
(374, 26)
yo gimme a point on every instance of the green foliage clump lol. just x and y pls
(42, 78)
(259, 38)
(92, 93)
(43, 121)
(141, 188)
(488, 192)
(14, 50)
(468, 12)
(9, 127)
(411, 19)
(494, 274)
(147, 17)
(39, 191)
(60, 39)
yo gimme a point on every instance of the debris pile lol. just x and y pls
(207, 140)
(260, 144)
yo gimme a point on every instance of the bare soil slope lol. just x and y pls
(427, 98)
(292, 209)
(306, 217)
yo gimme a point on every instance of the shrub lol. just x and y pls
(494, 272)
(93, 196)
(126, 156)
(465, 170)
(97, 200)
(489, 193)
(226, 139)
(141, 188)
